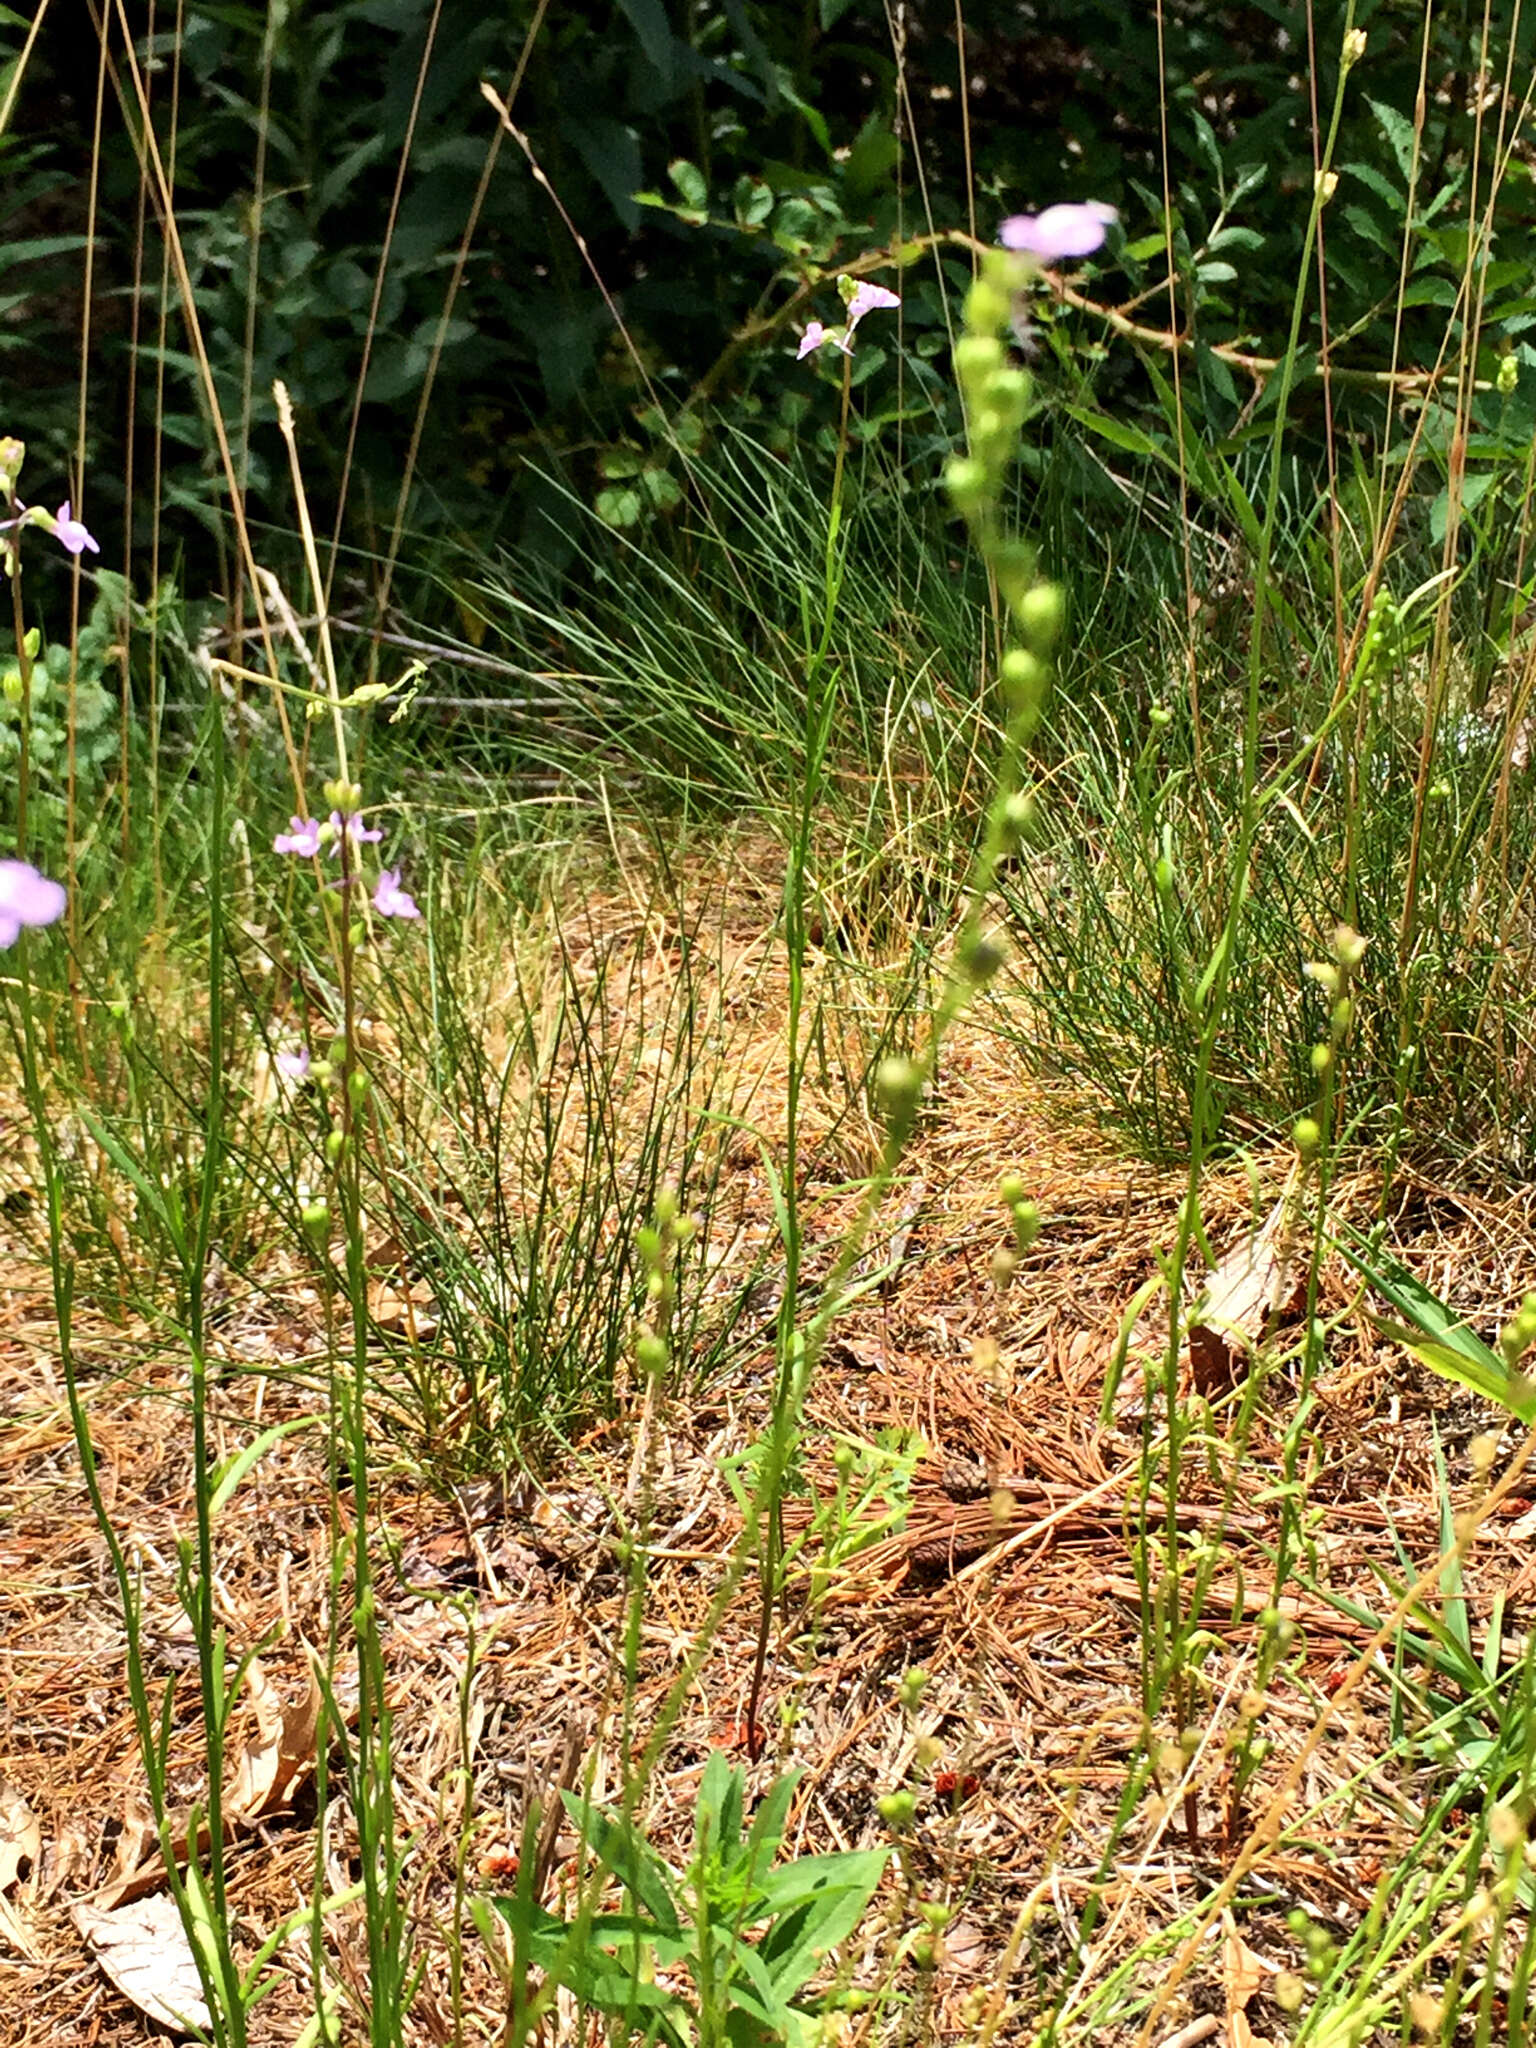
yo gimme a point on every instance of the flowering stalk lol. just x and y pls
(996, 398)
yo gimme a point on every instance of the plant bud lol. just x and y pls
(981, 960)
(966, 481)
(1041, 612)
(1024, 677)
(1018, 817)
(977, 356)
(986, 307)
(897, 1809)
(898, 1084)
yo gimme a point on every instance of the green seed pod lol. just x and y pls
(966, 481)
(986, 308)
(1008, 396)
(1041, 612)
(1024, 677)
(897, 1809)
(898, 1084)
(1018, 818)
(982, 958)
(1026, 1225)
(977, 358)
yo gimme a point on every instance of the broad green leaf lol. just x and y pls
(1436, 1336)
(717, 1820)
(1398, 130)
(1131, 439)
(648, 19)
(690, 182)
(767, 1830)
(630, 1857)
(818, 1901)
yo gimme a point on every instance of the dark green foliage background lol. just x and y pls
(797, 129)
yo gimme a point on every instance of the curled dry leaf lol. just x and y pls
(1254, 1283)
(21, 1839)
(1242, 1972)
(271, 1768)
(143, 1949)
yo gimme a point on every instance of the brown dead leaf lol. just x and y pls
(271, 1768)
(144, 1950)
(1253, 1283)
(965, 1949)
(71, 1855)
(1242, 1972)
(21, 1839)
(267, 1774)
(16, 1935)
(408, 1311)
(138, 1837)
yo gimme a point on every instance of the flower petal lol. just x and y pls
(1061, 232)
(28, 898)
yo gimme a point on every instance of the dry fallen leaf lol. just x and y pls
(267, 1774)
(1253, 1283)
(16, 1935)
(965, 1949)
(21, 1839)
(1242, 1972)
(270, 1768)
(143, 1949)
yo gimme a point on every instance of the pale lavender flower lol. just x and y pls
(813, 338)
(390, 900)
(869, 298)
(352, 826)
(304, 838)
(71, 532)
(26, 898)
(293, 1066)
(1061, 232)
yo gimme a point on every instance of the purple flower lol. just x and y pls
(869, 298)
(1060, 232)
(814, 337)
(352, 825)
(71, 532)
(293, 1066)
(390, 900)
(26, 898)
(304, 838)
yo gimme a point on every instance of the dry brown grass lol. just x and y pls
(1011, 1582)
